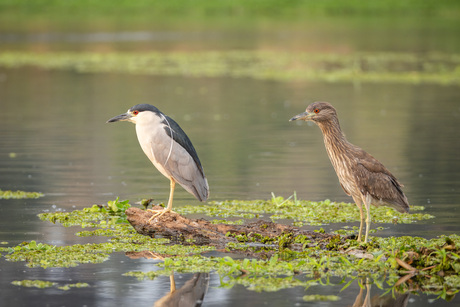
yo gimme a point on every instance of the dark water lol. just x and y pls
(54, 123)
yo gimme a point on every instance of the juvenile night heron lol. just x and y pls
(170, 150)
(361, 175)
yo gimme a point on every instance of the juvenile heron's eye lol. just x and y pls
(316, 111)
(135, 112)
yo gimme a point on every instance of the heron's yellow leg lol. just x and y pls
(173, 283)
(361, 214)
(368, 220)
(172, 186)
(158, 213)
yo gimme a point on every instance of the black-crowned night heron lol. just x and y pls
(361, 175)
(170, 150)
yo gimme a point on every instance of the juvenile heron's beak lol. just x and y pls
(304, 116)
(121, 117)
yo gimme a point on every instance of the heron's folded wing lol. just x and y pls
(374, 179)
(174, 131)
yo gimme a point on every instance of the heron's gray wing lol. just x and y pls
(175, 131)
(178, 163)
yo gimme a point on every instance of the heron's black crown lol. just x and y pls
(144, 107)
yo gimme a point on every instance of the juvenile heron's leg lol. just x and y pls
(158, 213)
(361, 214)
(361, 223)
(367, 203)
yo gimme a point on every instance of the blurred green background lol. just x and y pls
(90, 15)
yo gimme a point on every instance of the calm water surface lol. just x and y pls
(54, 121)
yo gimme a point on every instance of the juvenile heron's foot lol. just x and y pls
(366, 237)
(360, 234)
(158, 213)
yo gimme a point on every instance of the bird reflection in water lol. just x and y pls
(191, 294)
(363, 299)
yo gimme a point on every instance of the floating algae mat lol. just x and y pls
(433, 265)
(41, 284)
(380, 67)
(18, 194)
(302, 211)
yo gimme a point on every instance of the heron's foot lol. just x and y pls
(360, 238)
(158, 213)
(156, 256)
(360, 234)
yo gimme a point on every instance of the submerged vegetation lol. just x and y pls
(402, 263)
(264, 65)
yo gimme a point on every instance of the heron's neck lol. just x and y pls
(334, 140)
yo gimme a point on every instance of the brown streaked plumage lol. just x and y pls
(361, 175)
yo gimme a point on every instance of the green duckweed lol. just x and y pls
(302, 211)
(104, 220)
(34, 283)
(265, 65)
(318, 297)
(41, 284)
(19, 194)
(272, 266)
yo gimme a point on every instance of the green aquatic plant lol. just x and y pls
(76, 285)
(114, 206)
(47, 284)
(279, 272)
(104, 220)
(8, 194)
(262, 65)
(382, 259)
(276, 263)
(305, 212)
(33, 283)
(318, 297)
(96, 216)
(122, 239)
(228, 222)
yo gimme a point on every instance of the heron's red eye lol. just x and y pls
(316, 110)
(135, 112)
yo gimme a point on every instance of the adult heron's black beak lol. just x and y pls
(121, 117)
(303, 116)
